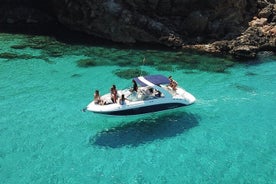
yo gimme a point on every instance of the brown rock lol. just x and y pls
(244, 52)
(272, 31)
(266, 12)
(258, 22)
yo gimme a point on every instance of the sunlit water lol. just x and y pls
(227, 136)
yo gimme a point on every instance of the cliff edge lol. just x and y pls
(240, 28)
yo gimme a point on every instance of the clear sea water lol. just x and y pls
(227, 136)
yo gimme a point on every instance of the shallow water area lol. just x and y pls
(227, 136)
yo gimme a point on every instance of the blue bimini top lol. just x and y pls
(154, 79)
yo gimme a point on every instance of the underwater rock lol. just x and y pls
(86, 63)
(19, 46)
(46, 59)
(165, 68)
(244, 88)
(54, 53)
(7, 55)
(129, 73)
(251, 74)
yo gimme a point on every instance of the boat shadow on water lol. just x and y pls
(146, 130)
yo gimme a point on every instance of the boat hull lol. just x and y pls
(142, 109)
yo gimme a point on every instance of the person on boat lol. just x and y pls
(97, 98)
(158, 94)
(173, 84)
(113, 92)
(135, 86)
(122, 100)
(148, 92)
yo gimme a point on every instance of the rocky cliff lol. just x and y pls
(237, 27)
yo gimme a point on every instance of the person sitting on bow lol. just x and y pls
(113, 92)
(173, 83)
(97, 98)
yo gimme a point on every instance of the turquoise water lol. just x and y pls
(227, 136)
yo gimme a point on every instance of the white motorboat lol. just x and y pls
(153, 94)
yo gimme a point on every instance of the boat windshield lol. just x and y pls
(145, 93)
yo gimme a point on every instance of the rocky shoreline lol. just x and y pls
(260, 36)
(240, 28)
